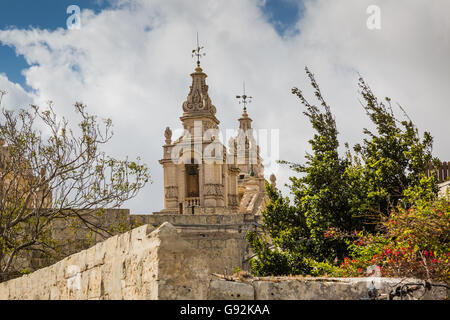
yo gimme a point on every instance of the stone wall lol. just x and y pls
(167, 263)
(72, 236)
(220, 237)
(289, 288)
(189, 219)
(145, 263)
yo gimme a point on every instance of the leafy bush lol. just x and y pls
(341, 199)
(415, 242)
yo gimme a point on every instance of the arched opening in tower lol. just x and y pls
(192, 181)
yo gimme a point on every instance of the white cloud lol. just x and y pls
(16, 97)
(132, 63)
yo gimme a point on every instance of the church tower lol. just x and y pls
(197, 176)
(251, 182)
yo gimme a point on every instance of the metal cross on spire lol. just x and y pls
(244, 100)
(197, 52)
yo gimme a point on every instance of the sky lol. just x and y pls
(130, 61)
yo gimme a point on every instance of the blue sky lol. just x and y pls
(283, 14)
(42, 14)
(51, 14)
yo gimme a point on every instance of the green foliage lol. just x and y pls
(395, 158)
(323, 198)
(270, 260)
(415, 242)
(344, 195)
(25, 271)
(122, 226)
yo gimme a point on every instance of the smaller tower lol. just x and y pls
(251, 177)
(246, 150)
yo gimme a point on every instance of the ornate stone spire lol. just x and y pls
(245, 122)
(198, 102)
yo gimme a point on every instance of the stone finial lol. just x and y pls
(273, 180)
(198, 101)
(245, 122)
(168, 136)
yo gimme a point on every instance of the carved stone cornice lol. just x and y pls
(234, 170)
(171, 192)
(211, 189)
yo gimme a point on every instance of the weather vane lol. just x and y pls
(244, 100)
(197, 52)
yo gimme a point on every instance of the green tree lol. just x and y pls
(339, 194)
(395, 158)
(323, 197)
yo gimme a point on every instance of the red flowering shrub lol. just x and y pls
(413, 243)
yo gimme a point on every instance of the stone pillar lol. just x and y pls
(181, 181)
(170, 187)
(220, 189)
(233, 198)
(170, 183)
(209, 189)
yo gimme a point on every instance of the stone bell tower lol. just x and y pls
(251, 193)
(197, 177)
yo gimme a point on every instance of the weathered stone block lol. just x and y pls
(218, 244)
(78, 259)
(95, 287)
(124, 242)
(55, 293)
(202, 244)
(139, 234)
(230, 290)
(90, 257)
(110, 246)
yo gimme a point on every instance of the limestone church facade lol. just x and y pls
(202, 175)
